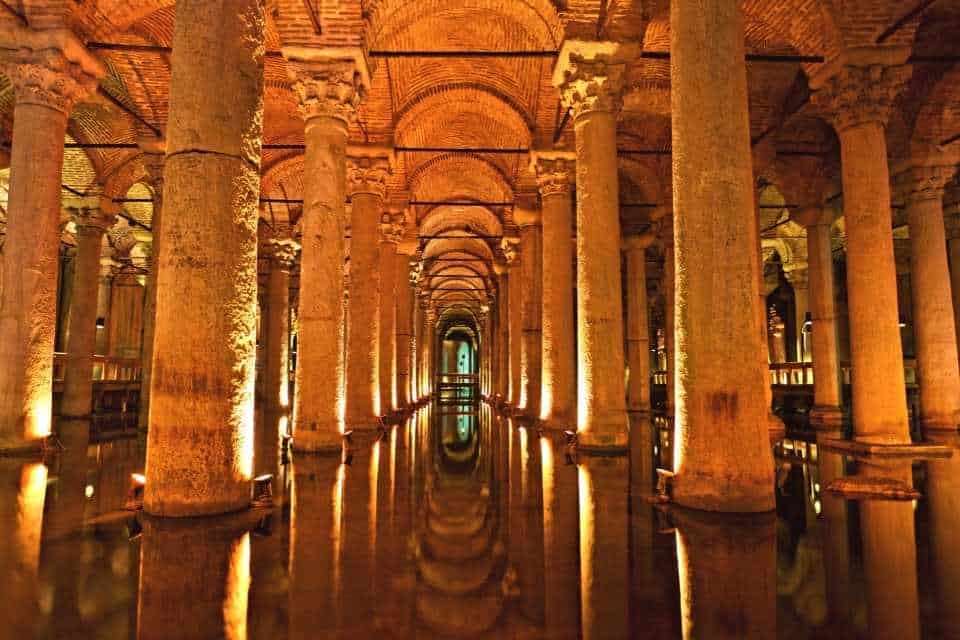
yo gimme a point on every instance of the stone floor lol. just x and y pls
(464, 524)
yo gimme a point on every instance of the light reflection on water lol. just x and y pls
(460, 523)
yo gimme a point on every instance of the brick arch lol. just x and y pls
(460, 176)
(939, 114)
(477, 220)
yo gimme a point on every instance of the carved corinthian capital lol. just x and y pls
(283, 252)
(327, 83)
(923, 183)
(590, 75)
(858, 95)
(556, 173)
(367, 174)
(47, 77)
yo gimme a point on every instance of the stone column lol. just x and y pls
(590, 77)
(367, 170)
(556, 174)
(858, 100)
(50, 71)
(503, 330)
(799, 279)
(515, 318)
(934, 327)
(200, 438)
(532, 282)
(722, 460)
(638, 323)
(826, 413)
(92, 222)
(329, 86)
(670, 318)
(153, 158)
(951, 216)
(430, 349)
(405, 301)
(419, 326)
(283, 254)
(390, 234)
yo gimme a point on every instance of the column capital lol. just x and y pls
(590, 75)
(798, 276)
(924, 182)
(283, 252)
(328, 82)
(368, 169)
(638, 241)
(527, 217)
(511, 250)
(856, 95)
(392, 229)
(556, 172)
(100, 214)
(52, 68)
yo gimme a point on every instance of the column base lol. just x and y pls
(859, 448)
(178, 508)
(720, 494)
(826, 418)
(318, 442)
(558, 423)
(939, 425)
(15, 447)
(603, 442)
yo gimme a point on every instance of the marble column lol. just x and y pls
(515, 319)
(50, 71)
(799, 279)
(531, 242)
(857, 100)
(638, 323)
(419, 327)
(503, 330)
(951, 218)
(154, 152)
(329, 85)
(590, 77)
(934, 327)
(391, 232)
(430, 347)
(405, 301)
(200, 438)
(283, 254)
(91, 223)
(826, 413)
(670, 318)
(367, 171)
(722, 460)
(556, 175)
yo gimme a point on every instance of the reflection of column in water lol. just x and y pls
(531, 570)
(560, 540)
(24, 487)
(315, 538)
(604, 513)
(515, 505)
(270, 581)
(890, 559)
(943, 498)
(728, 576)
(194, 578)
(835, 537)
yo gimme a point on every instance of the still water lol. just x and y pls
(460, 523)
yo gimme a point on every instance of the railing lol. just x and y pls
(800, 374)
(105, 368)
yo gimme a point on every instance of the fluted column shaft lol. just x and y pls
(531, 318)
(556, 174)
(404, 329)
(591, 81)
(723, 460)
(200, 438)
(858, 100)
(638, 323)
(92, 223)
(47, 83)
(934, 329)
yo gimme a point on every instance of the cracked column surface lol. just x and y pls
(556, 173)
(936, 337)
(857, 101)
(826, 413)
(200, 438)
(367, 170)
(329, 86)
(723, 460)
(405, 302)
(531, 342)
(638, 324)
(590, 77)
(91, 222)
(50, 72)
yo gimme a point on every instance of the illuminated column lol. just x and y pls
(200, 438)
(21, 508)
(283, 254)
(670, 316)
(638, 323)
(556, 175)
(799, 279)
(405, 302)
(722, 460)
(951, 215)
(419, 327)
(934, 328)
(590, 77)
(826, 413)
(430, 345)
(943, 494)
(714, 552)
(503, 330)
(391, 233)
(560, 552)
(50, 71)
(91, 222)
(328, 89)
(367, 171)
(858, 101)
(515, 312)
(153, 155)
(532, 283)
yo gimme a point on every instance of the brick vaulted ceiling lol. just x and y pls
(488, 102)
